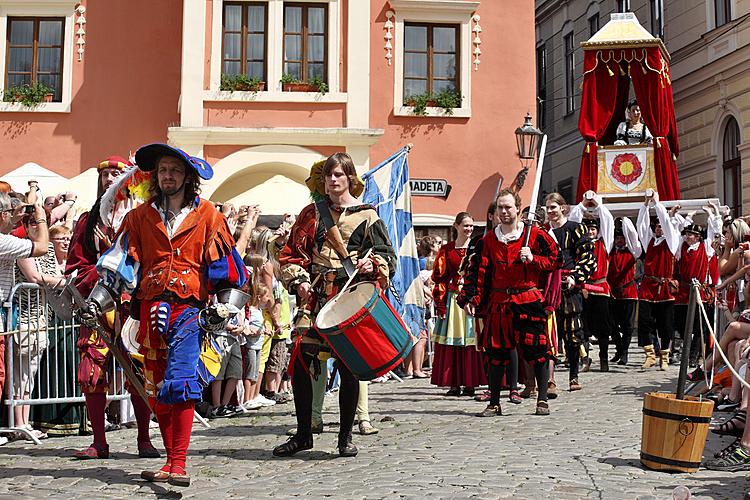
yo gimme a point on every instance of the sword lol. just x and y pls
(535, 191)
(125, 363)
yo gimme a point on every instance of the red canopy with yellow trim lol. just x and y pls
(621, 52)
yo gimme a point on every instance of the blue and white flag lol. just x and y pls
(387, 189)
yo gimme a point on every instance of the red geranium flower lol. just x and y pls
(626, 168)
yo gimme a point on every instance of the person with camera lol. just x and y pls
(13, 248)
(660, 238)
(171, 253)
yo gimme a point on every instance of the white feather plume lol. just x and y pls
(107, 207)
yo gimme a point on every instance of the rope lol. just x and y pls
(718, 348)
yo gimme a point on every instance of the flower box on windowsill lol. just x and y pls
(260, 87)
(299, 87)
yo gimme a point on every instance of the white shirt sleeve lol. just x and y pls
(576, 213)
(631, 237)
(713, 227)
(12, 248)
(671, 232)
(644, 227)
(606, 226)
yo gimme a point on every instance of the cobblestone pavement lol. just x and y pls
(587, 448)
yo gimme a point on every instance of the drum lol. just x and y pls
(364, 330)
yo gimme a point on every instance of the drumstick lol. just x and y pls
(351, 278)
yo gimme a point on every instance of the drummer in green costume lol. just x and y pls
(327, 238)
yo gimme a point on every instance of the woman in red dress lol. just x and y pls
(457, 362)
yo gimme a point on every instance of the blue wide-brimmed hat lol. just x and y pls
(147, 156)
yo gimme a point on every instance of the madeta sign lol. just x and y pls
(430, 187)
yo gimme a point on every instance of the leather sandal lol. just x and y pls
(179, 478)
(574, 385)
(542, 408)
(93, 452)
(156, 476)
(735, 426)
(515, 398)
(551, 390)
(293, 445)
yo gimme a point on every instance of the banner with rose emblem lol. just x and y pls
(626, 170)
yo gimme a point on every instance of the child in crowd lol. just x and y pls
(263, 301)
(255, 335)
(278, 355)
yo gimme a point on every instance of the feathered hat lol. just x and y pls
(147, 156)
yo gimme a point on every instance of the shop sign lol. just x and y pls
(430, 187)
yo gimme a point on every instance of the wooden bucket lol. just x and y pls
(674, 432)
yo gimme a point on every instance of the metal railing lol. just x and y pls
(41, 357)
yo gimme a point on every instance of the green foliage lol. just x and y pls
(28, 94)
(318, 83)
(287, 78)
(446, 99)
(241, 83)
(419, 102)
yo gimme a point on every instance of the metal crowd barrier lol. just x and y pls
(41, 357)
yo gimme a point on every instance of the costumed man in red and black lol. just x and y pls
(171, 253)
(468, 270)
(661, 239)
(578, 262)
(336, 227)
(509, 273)
(595, 290)
(621, 279)
(693, 263)
(92, 237)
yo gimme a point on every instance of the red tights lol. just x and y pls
(96, 403)
(176, 424)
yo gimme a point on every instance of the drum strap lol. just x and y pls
(333, 235)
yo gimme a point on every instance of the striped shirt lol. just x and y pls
(11, 248)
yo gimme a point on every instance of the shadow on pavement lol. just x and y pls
(107, 475)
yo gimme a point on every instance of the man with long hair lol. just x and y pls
(312, 268)
(171, 252)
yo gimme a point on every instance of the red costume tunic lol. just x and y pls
(512, 286)
(598, 277)
(95, 356)
(692, 264)
(621, 274)
(445, 275)
(658, 267)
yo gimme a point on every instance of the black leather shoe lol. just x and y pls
(292, 446)
(615, 358)
(346, 447)
(623, 359)
(348, 450)
(604, 365)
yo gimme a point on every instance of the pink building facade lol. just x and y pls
(129, 72)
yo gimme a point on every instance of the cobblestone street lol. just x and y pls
(430, 446)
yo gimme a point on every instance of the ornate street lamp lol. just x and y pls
(527, 139)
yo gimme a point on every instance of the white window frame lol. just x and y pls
(41, 8)
(434, 11)
(275, 58)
